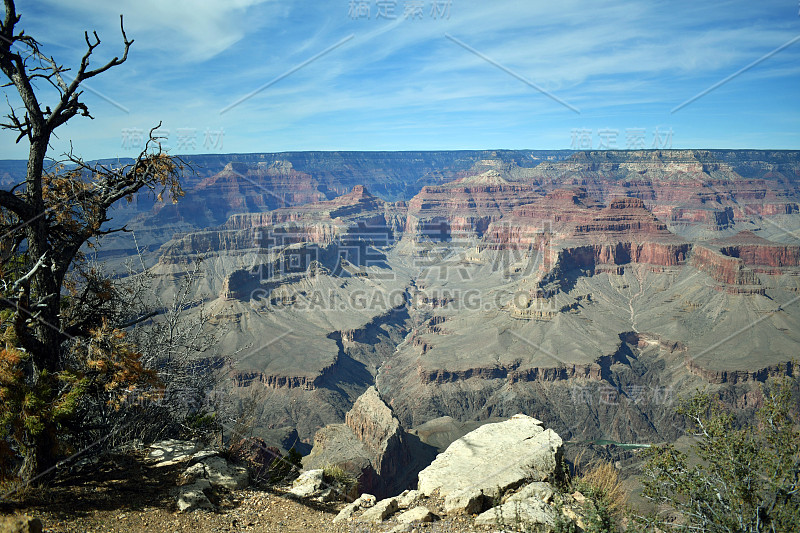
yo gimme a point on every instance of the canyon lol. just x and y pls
(591, 290)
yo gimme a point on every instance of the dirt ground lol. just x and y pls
(124, 494)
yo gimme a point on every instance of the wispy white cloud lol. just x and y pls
(621, 63)
(192, 30)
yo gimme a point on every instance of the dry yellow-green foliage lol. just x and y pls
(602, 481)
(103, 364)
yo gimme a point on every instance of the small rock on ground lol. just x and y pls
(417, 514)
(380, 511)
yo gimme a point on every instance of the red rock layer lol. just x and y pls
(755, 251)
(357, 204)
(730, 271)
(626, 217)
(373, 423)
(681, 186)
(441, 211)
(557, 212)
(621, 253)
(277, 381)
(241, 188)
(182, 248)
(767, 209)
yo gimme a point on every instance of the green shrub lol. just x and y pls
(747, 479)
(336, 475)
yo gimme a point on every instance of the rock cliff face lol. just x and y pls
(757, 252)
(372, 445)
(626, 216)
(512, 375)
(464, 209)
(654, 253)
(733, 377)
(379, 431)
(241, 188)
(729, 271)
(357, 212)
(582, 234)
(686, 189)
(247, 379)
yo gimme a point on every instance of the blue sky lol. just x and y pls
(446, 77)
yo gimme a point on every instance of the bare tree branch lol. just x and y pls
(16, 205)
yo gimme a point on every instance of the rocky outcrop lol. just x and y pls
(316, 485)
(371, 444)
(206, 475)
(374, 424)
(621, 253)
(273, 381)
(735, 261)
(240, 285)
(491, 460)
(531, 513)
(731, 272)
(365, 501)
(380, 511)
(575, 232)
(627, 216)
(759, 253)
(717, 219)
(182, 249)
(533, 224)
(322, 221)
(238, 187)
(506, 473)
(354, 217)
(418, 514)
(308, 483)
(171, 452)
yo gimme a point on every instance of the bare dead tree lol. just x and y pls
(46, 219)
(174, 341)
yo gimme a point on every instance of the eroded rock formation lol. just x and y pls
(372, 445)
